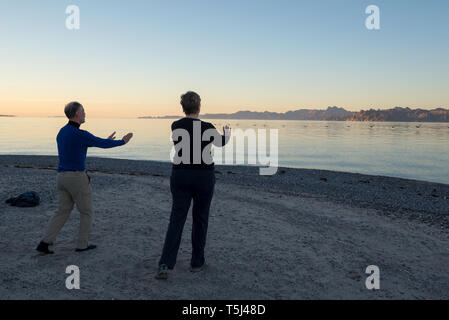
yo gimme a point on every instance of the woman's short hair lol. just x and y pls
(71, 108)
(190, 102)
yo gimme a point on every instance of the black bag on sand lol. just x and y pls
(27, 199)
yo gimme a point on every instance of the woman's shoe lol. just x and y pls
(196, 269)
(162, 273)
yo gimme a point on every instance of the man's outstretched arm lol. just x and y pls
(92, 141)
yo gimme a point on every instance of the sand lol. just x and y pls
(301, 234)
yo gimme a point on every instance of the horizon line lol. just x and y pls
(265, 111)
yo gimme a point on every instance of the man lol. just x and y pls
(73, 183)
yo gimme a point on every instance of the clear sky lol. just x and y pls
(134, 58)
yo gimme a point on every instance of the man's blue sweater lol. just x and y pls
(73, 144)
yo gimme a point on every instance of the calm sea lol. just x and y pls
(409, 150)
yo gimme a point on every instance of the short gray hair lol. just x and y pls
(190, 102)
(71, 108)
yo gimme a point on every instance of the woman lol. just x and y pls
(193, 177)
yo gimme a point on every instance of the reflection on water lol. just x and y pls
(401, 149)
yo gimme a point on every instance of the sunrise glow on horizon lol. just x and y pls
(136, 59)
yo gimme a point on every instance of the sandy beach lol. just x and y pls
(300, 234)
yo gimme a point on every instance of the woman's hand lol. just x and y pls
(112, 136)
(226, 130)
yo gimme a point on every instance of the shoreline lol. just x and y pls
(382, 192)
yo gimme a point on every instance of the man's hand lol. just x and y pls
(226, 130)
(112, 136)
(127, 137)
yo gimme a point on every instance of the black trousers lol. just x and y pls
(185, 185)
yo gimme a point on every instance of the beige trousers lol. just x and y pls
(73, 187)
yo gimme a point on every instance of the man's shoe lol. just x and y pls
(90, 247)
(162, 273)
(43, 248)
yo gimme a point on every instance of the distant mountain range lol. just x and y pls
(402, 114)
(334, 114)
(6, 115)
